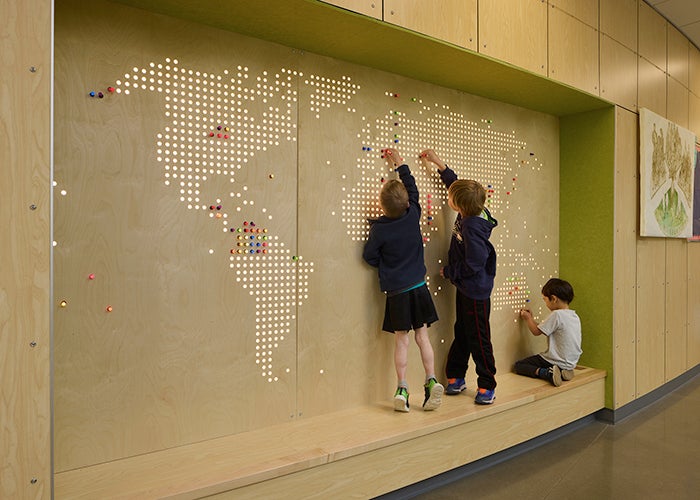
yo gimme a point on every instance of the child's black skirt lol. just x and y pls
(409, 310)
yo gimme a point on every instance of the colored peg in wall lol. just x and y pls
(91, 276)
(92, 93)
(110, 90)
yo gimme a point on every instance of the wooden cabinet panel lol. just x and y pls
(453, 21)
(618, 20)
(694, 70)
(694, 114)
(618, 73)
(652, 36)
(651, 317)
(573, 52)
(515, 31)
(651, 82)
(677, 102)
(678, 54)
(625, 290)
(676, 335)
(371, 8)
(25, 249)
(693, 304)
(585, 11)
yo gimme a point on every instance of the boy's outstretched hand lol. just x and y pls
(393, 158)
(525, 313)
(430, 156)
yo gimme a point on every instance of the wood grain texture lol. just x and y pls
(676, 347)
(585, 11)
(651, 314)
(515, 31)
(453, 21)
(229, 344)
(651, 82)
(618, 73)
(371, 8)
(25, 249)
(611, 12)
(573, 52)
(322, 450)
(652, 36)
(625, 270)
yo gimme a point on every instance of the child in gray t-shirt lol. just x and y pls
(563, 331)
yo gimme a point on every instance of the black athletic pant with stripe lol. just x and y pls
(472, 332)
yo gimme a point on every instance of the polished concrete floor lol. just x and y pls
(652, 454)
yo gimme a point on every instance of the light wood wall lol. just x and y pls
(629, 29)
(624, 51)
(25, 246)
(25, 208)
(146, 287)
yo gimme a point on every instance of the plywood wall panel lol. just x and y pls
(694, 113)
(625, 256)
(371, 8)
(651, 314)
(25, 249)
(573, 52)
(651, 83)
(515, 148)
(652, 36)
(189, 336)
(677, 102)
(585, 11)
(693, 305)
(515, 31)
(611, 12)
(694, 70)
(231, 258)
(678, 55)
(453, 21)
(618, 73)
(676, 335)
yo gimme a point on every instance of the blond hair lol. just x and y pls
(394, 198)
(468, 196)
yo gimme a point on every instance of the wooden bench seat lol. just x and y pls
(359, 452)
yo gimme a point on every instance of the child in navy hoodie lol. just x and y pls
(395, 247)
(472, 269)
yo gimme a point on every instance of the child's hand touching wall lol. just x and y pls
(393, 158)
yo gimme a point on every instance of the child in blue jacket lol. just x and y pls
(472, 269)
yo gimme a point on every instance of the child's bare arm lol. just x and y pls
(526, 314)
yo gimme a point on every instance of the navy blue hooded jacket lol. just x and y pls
(395, 246)
(472, 258)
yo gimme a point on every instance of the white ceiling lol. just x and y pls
(683, 14)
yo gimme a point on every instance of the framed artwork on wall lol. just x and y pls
(696, 192)
(667, 168)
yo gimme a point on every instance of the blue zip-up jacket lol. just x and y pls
(472, 258)
(395, 246)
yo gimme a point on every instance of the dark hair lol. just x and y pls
(394, 198)
(560, 288)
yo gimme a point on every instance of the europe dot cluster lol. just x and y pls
(474, 148)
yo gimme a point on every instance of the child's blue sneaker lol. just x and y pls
(484, 396)
(455, 386)
(401, 399)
